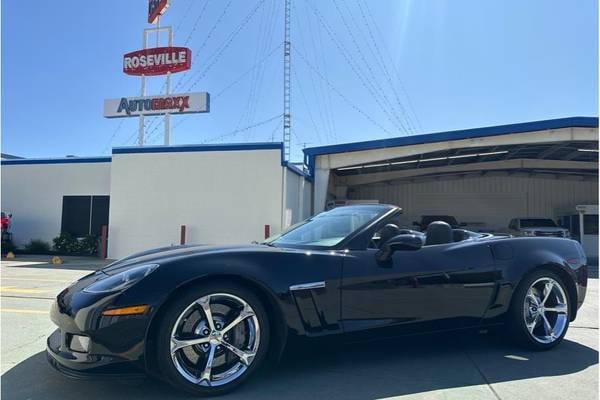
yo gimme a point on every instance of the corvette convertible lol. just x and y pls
(205, 318)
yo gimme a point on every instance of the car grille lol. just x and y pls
(552, 234)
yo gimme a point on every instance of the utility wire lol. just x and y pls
(216, 56)
(372, 80)
(195, 26)
(312, 120)
(236, 131)
(397, 75)
(375, 82)
(317, 97)
(325, 94)
(341, 95)
(349, 61)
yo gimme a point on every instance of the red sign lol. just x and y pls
(157, 61)
(156, 8)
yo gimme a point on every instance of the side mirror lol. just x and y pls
(399, 243)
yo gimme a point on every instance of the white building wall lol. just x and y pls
(492, 199)
(223, 197)
(298, 198)
(33, 193)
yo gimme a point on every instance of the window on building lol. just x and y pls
(590, 224)
(84, 215)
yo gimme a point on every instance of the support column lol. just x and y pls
(321, 183)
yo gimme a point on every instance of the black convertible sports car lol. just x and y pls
(204, 318)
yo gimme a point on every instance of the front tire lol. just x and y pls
(212, 338)
(539, 314)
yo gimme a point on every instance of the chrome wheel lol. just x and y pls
(545, 310)
(215, 339)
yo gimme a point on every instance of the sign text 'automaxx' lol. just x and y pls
(183, 103)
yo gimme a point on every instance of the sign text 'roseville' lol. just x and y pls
(157, 61)
(184, 103)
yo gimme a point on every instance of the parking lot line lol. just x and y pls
(16, 278)
(19, 311)
(14, 289)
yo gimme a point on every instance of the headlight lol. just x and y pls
(122, 280)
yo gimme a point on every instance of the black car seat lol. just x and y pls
(458, 235)
(388, 232)
(438, 232)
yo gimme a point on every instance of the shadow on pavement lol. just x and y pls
(362, 371)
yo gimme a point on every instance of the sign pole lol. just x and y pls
(142, 94)
(167, 115)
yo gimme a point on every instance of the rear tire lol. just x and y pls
(539, 314)
(205, 359)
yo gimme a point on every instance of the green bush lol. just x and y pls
(65, 243)
(7, 245)
(37, 246)
(89, 245)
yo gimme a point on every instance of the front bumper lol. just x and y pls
(85, 366)
(116, 343)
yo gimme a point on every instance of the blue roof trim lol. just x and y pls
(197, 148)
(572, 122)
(69, 160)
(296, 170)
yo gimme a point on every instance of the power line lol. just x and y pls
(327, 114)
(236, 131)
(384, 64)
(216, 56)
(336, 91)
(245, 73)
(375, 82)
(341, 48)
(264, 37)
(195, 26)
(187, 12)
(312, 120)
(209, 35)
(317, 97)
(115, 132)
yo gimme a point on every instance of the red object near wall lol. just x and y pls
(103, 241)
(182, 235)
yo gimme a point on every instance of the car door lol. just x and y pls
(436, 287)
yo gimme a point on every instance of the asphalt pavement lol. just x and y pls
(450, 366)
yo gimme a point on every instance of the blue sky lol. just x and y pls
(361, 69)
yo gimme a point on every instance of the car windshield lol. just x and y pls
(537, 223)
(329, 228)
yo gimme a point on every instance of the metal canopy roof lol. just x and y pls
(571, 122)
(586, 151)
(565, 151)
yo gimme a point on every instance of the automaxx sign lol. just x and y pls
(157, 61)
(156, 105)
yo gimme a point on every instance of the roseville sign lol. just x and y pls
(184, 103)
(157, 61)
(156, 8)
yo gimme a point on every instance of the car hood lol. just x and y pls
(166, 254)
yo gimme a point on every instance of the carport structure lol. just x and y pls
(483, 176)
